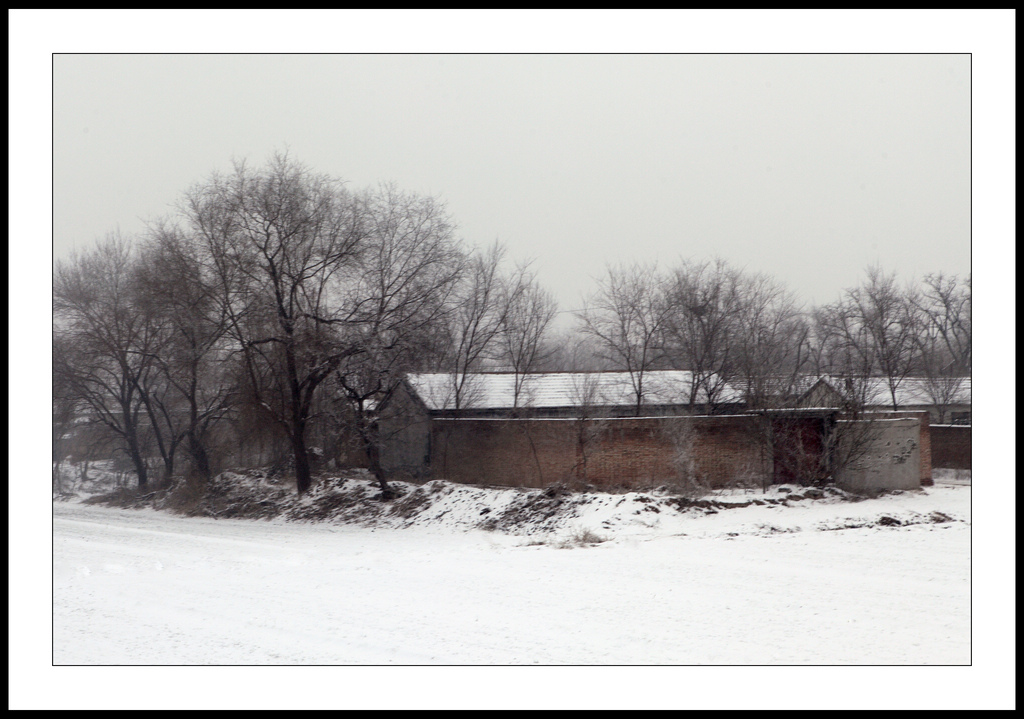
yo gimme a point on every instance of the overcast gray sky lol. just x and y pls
(807, 167)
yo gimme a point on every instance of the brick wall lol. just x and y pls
(716, 451)
(606, 453)
(951, 446)
(926, 450)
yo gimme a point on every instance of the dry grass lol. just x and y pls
(186, 496)
(125, 498)
(580, 537)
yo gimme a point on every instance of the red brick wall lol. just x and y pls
(951, 446)
(609, 454)
(926, 450)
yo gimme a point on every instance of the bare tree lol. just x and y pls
(872, 329)
(279, 240)
(772, 342)
(192, 358)
(946, 302)
(530, 310)
(839, 343)
(819, 343)
(478, 314)
(396, 304)
(888, 314)
(704, 306)
(64, 405)
(626, 316)
(585, 396)
(570, 350)
(940, 381)
(107, 345)
(943, 341)
(166, 424)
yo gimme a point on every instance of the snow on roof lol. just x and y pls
(911, 391)
(559, 389)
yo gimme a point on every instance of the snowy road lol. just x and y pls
(143, 587)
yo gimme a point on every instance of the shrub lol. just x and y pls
(186, 495)
(580, 537)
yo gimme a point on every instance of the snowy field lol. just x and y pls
(764, 593)
(751, 585)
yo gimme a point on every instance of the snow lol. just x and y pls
(911, 392)
(768, 593)
(496, 390)
(944, 475)
(767, 584)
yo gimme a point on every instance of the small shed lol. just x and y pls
(947, 400)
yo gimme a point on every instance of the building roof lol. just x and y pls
(559, 389)
(912, 391)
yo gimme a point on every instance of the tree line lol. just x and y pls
(275, 299)
(735, 330)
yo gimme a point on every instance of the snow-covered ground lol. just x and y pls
(881, 581)
(746, 587)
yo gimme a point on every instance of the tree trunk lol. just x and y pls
(371, 445)
(533, 451)
(303, 476)
(168, 469)
(580, 467)
(196, 449)
(140, 465)
(373, 455)
(199, 456)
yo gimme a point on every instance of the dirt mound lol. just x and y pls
(535, 511)
(887, 520)
(123, 498)
(357, 499)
